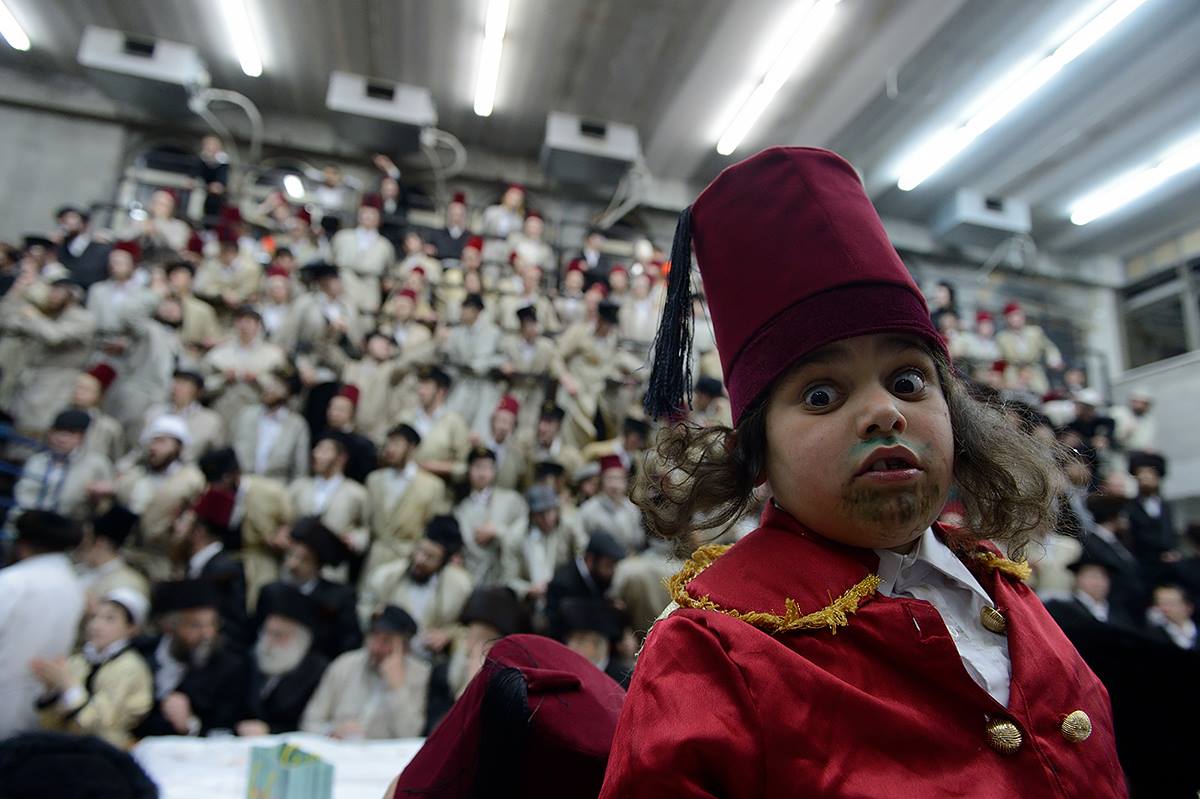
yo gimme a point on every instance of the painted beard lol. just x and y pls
(900, 512)
(280, 659)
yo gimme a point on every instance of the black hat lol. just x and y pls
(316, 270)
(342, 440)
(180, 264)
(48, 531)
(39, 764)
(247, 310)
(473, 300)
(190, 374)
(497, 606)
(38, 240)
(219, 463)
(1139, 458)
(710, 386)
(527, 314)
(479, 451)
(544, 469)
(406, 431)
(67, 282)
(635, 425)
(608, 311)
(392, 619)
(115, 524)
(581, 614)
(1106, 507)
(603, 545)
(312, 533)
(74, 421)
(1089, 558)
(71, 209)
(170, 597)
(552, 411)
(444, 530)
(291, 603)
(437, 375)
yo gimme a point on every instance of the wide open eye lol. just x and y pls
(821, 395)
(908, 383)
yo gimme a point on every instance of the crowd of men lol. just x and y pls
(297, 466)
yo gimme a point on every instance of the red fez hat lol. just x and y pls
(350, 392)
(535, 215)
(417, 270)
(516, 186)
(1012, 307)
(611, 462)
(599, 287)
(372, 200)
(459, 197)
(230, 215)
(577, 265)
(1000, 366)
(226, 235)
(475, 243)
(130, 246)
(509, 403)
(983, 316)
(104, 373)
(557, 712)
(793, 257)
(412, 295)
(277, 270)
(215, 506)
(618, 268)
(304, 216)
(195, 243)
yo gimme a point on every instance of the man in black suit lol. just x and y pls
(335, 623)
(1150, 520)
(362, 456)
(588, 576)
(593, 628)
(86, 258)
(1091, 601)
(450, 240)
(199, 678)
(1108, 542)
(286, 669)
(200, 533)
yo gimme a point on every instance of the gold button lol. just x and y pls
(1004, 736)
(993, 620)
(1076, 727)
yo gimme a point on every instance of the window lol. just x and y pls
(1155, 330)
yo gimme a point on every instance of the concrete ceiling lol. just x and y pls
(887, 73)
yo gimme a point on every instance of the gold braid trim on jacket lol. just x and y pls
(834, 615)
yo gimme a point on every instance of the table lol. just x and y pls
(208, 768)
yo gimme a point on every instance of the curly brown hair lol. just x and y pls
(701, 480)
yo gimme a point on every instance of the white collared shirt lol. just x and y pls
(269, 425)
(1152, 506)
(170, 672)
(423, 422)
(930, 571)
(366, 238)
(398, 481)
(198, 561)
(323, 491)
(1093, 606)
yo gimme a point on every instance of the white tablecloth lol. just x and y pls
(216, 768)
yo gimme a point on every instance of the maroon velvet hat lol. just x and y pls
(537, 720)
(793, 256)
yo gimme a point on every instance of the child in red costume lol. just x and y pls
(850, 646)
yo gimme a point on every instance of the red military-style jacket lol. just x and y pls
(784, 673)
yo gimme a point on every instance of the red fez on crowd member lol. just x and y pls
(1012, 307)
(983, 316)
(372, 200)
(417, 270)
(304, 215)
(618, 268)
(611, 462)
(459, 197)
(793, 257)
(412, 295)
(215, 507)
(536, 721)
(509, 403)
(475, 243)
(535, 215)
(130, 246)
(1000, 366)
(578, 265)
(350, 392)
(230, 215)
(600, 288)
(227, 235)
(519, 187)
(195, 243)
(104, 374)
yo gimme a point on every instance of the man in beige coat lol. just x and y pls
(375, 692)
(105, 435)
(270, 438)
(401, 499)
(594, 366)
(492, 519)
(102, 566)
(230, 281)
(340, 502)
(445, 438)
(472, 352)
(364, 256)
(205, 427)
(64, 478)
(611, 511)
(531, 362)
(233, 367)
(55, 340)
(428, 586)
(379, 375)
(200, 330)
(550, 542)
(511, 466)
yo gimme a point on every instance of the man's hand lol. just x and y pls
(485, 534)
(538, 590)
(252, 727)
(177, 710)
(99, 489)
(52, 673)
(348, 730)
(436, 640)
(392, 669)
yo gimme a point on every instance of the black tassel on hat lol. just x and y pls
(669, 391)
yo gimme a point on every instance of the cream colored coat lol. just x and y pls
(158, 500)
(532, 365)
(397, 525)
(381, 402)
(391, 585)
(200, 326)
(54, 350)
(361, 269)
(352, 691)
(122, 695)
(105, 436)
(622, 520)
(243, 278)
(508, 512)
(266, 507)
(288, 458)
(231, 397)
(448, 440)
(73, 500)
(345, 513)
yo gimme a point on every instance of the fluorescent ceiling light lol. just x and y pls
(1003, 97)
(293, 186)
(489, 57)
(11, 30)
(244, 44)
(1133, 185)
(809, 26)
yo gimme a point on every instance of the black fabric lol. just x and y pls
(1128, 590)
(335, 628)
(225, 574)
(567, 583)
(282, 707)
(1151, 537)
(90, 266)
(50, 765)
(449, 245)
(214, 690)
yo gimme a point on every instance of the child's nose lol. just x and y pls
(880, 415)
